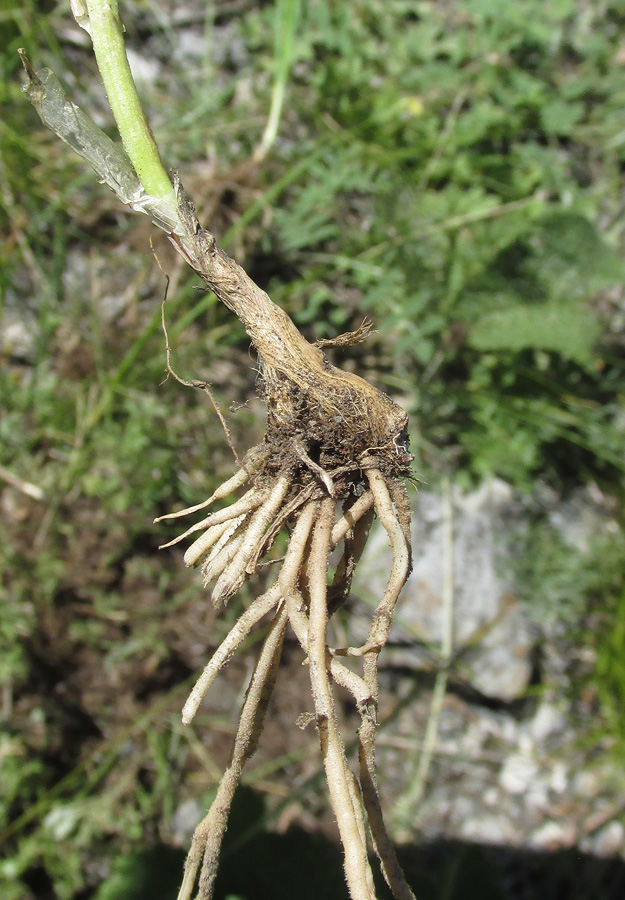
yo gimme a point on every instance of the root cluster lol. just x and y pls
(334, 455)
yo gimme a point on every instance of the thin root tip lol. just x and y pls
(188, 712)
(166, 516)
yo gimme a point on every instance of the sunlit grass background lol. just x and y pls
(453, 170)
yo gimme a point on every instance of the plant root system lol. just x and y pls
(334, 453)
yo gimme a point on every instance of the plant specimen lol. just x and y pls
(334, 453)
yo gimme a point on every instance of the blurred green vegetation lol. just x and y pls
(454, 171)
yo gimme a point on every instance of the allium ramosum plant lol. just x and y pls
(334, 454)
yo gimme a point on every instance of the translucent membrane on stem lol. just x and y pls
(109, 160)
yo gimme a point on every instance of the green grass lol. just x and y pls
(452, 171)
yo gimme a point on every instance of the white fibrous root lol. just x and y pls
(232, 543)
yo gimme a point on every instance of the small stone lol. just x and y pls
(184, 821)
(558, 781)
(547, 720)
(526, 744)
(553, 836)
(537, 797)
(610, 840)
(586, 784)
(191, 43)
(517, 773)
(491, 797)
(488, 830)
(18, 335)
(143, 68)
(509, 730)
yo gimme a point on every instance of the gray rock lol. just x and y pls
(186, 817)
(587, 513)
(490, 625)
(518, 773)
(487, 829)
(610, 840)
(18, 335)
(551, 836)
(525, 775)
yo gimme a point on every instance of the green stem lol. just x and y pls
(106, 32)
